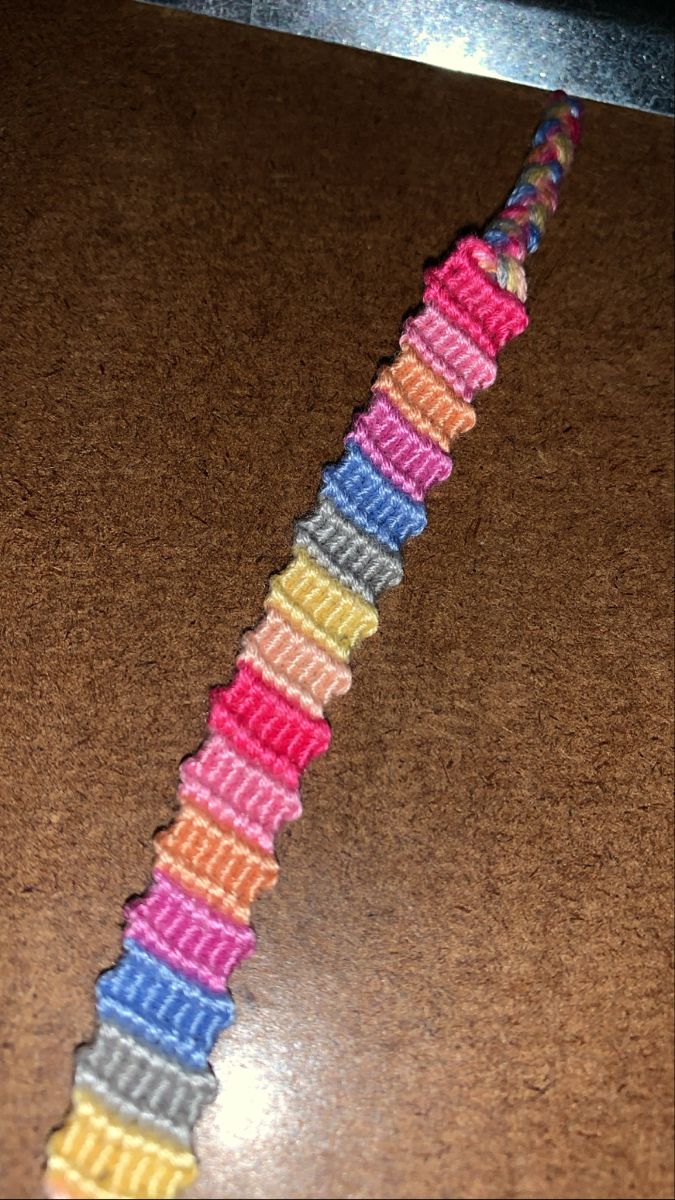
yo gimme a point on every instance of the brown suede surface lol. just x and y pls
(210, 235)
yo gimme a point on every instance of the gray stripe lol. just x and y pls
(141, 1084)
(356, 559)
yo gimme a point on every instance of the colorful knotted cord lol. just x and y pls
(142, 1082)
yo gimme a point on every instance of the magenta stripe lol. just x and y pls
(488, 313)
(188, 935)
(410, 460)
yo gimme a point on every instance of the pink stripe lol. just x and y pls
(187, 934)
(467, 295)
(410, 337)
(236, 792)
(225, 816)
(464, 364)
(411, 461)
(436, 294)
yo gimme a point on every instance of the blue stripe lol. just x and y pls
(362, 494)
(158, 1005)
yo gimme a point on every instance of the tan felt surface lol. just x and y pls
(210, 236)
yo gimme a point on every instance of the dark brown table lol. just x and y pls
(210, 236)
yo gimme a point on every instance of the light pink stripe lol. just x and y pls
(237, 792)
(187, 934)
(411, 461)
(436, 294)
(460, 361)
(297, 663)
(410, 337)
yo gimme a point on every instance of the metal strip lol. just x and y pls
(591, 50)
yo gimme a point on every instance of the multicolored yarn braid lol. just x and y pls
(140, 1085)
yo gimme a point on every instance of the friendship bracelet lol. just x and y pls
(141, 1084)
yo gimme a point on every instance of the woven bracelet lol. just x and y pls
(142, 1082)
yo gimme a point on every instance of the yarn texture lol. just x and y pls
(141, 1084)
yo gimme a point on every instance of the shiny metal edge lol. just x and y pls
(611, 58)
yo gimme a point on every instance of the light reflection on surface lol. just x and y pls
(250, 1103)
(239, 1135)
(458, 54)
(262, 1070)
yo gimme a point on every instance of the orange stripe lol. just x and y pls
(215, 863)
(424, 399)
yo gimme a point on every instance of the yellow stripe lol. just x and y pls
(104, 1156)
(61, 1179)
(320, 607)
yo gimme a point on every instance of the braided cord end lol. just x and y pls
(517, 229)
